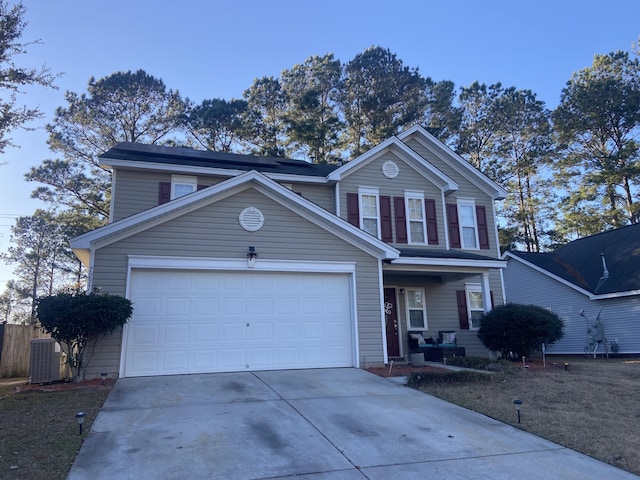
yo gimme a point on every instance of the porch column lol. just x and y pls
(486, 293)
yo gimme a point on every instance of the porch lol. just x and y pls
(427, 292)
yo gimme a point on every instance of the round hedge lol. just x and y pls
(519, 330)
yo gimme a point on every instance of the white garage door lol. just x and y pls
(205, 321)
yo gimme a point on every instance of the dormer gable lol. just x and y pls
(402, 153)
(440, 151)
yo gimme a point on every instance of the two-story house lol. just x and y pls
(238, 262)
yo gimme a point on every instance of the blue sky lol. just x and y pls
(215, 49)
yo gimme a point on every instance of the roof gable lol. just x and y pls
(456, 162)
(129, 226)
(401, 150)
(607, 263)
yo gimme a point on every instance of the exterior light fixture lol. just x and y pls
(518, 404)
(80, 420)
(402, 291)
(251, 257)
(103, 377)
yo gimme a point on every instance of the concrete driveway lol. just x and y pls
(333, 424)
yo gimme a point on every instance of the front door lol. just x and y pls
(391, 320)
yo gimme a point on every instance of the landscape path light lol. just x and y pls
(80, 420)
(518, 404)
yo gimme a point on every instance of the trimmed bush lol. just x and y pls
(519, 330)
(78, 322)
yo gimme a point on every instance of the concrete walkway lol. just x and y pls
(333, 424)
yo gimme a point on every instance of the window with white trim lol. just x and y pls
(182, 185)
(468, 225)
(475, 305)
(369, 211)
(416, 217)
(416, 309)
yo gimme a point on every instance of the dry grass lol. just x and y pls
(592, 408)
(39, 436)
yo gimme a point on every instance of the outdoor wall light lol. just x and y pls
(80, 420)
(518, 404)
(402, 291)
(251, 257)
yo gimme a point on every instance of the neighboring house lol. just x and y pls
(600, 273)
(237, 262)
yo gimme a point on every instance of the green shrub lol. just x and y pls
(78, 321)
(519, 330)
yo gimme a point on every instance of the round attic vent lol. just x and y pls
(390, 169)
(251, 219)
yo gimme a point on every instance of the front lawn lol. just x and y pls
(39, 437)
(591, 407)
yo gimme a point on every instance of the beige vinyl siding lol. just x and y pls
(467, 189)
(410, 177)
(620, 316)
(138, 190)
(321, 195)
(442, 309)
(214, 232)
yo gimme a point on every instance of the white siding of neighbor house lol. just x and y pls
(214, 232)
(410, 177)
(442, 310)
(620, 316)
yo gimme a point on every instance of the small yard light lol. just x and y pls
(80, 420)
(103, 377)
(518, 404)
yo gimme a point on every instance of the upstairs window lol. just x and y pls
(467, 224)
(369, 211)
(468, 229)
(415, 213)
(182, 185)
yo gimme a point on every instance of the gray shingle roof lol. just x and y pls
(580, 261)
(137, 152)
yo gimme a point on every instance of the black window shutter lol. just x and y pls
(432, 221)
(483, 229)
(353, 214)
(385, 218)
(165, 192)
(401, 220)
(453, 225)
(462, 309)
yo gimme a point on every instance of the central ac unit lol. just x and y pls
(44, 360)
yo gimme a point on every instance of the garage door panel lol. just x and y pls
(140, 335)
(206, 333)
(261, 332)
(205, 321)
(259, 306)
(148, 307)
(176, 334)
(177, 307)
(174, 361)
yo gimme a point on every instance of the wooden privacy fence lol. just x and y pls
(15, 345)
